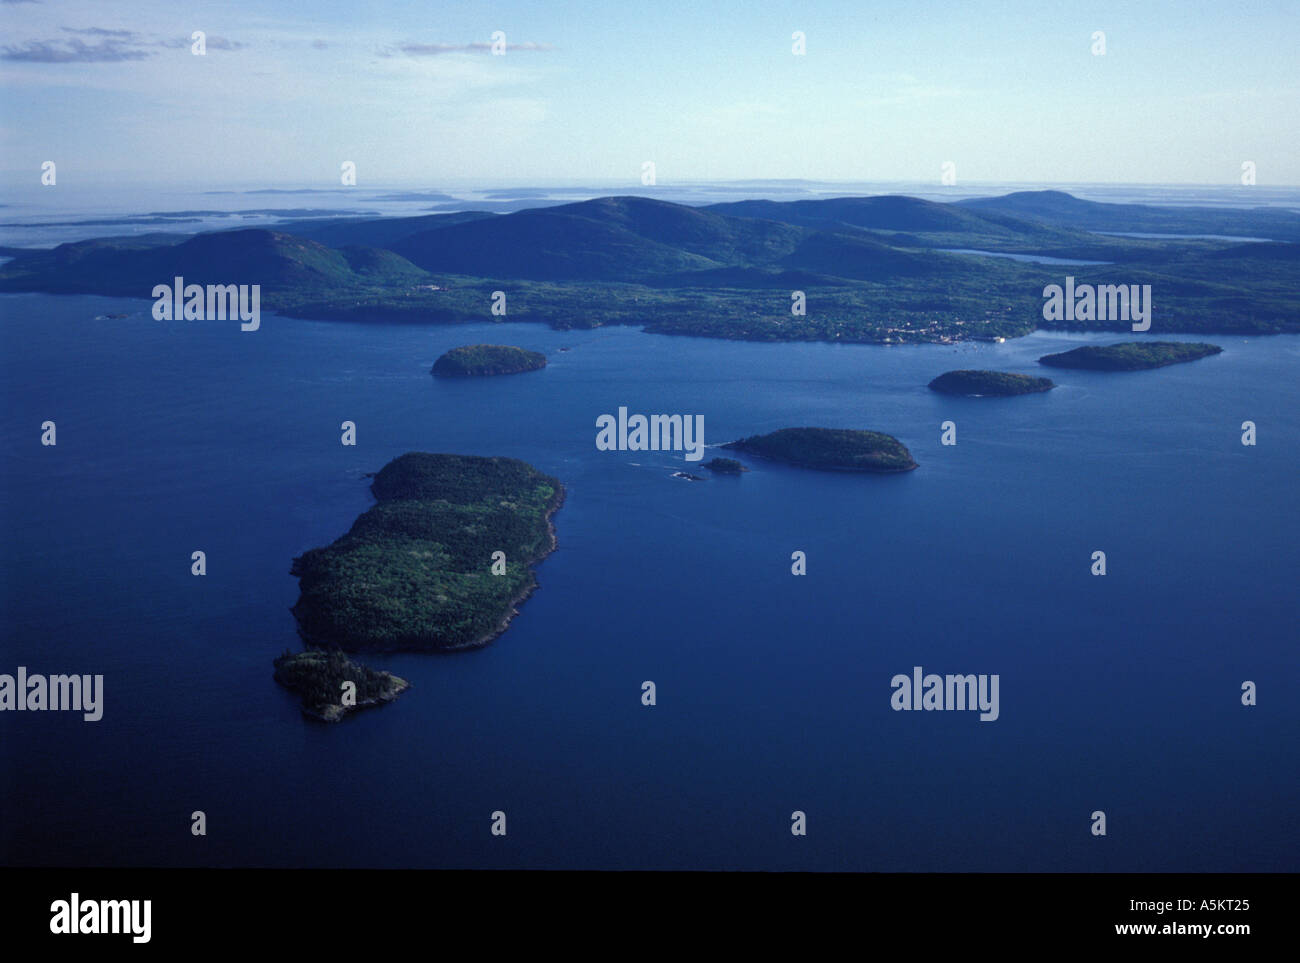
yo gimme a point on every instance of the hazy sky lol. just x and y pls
(708, 90)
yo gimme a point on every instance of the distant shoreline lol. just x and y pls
(877, 269)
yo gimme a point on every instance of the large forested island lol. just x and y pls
(1130, 355)
(318, 678)
(830, 449)
(438, 564)
(487, 359)
(989, 384)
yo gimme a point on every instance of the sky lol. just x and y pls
(588, 92)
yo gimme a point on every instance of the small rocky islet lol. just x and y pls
(320, 679)
(725, 466)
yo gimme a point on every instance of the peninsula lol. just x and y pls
(438, 564)
(487, 359)
(989, 384)
(1130, 355)
(830, 449)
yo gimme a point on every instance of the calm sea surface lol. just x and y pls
(1119, 693)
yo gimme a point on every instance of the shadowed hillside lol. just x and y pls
(274, 260)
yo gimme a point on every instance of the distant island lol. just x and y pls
(989, 384)
(725, 466)
(1130, 355)
(830, 449)
(438, 564)
(318, 678)
(487, 359)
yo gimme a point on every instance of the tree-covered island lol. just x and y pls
(1130, 355)
(989, 384)
(487, 359)
(830, 449)
(440, 563)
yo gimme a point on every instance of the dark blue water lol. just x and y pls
(1119, 693)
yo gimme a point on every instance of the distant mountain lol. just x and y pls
(913, 222)
(615, 238)
(890, 212)
(639, 239)
(274, 260)
(1049, 205)
(860, 258)
(373, 231)
(873, 269)
(1059, 208)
